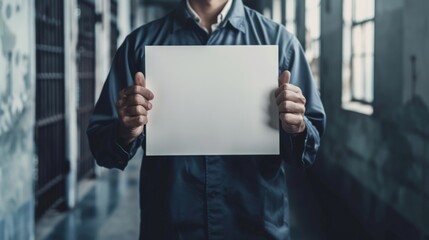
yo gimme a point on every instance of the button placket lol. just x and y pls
(213, 199)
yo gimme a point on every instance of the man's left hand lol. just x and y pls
(291, 105)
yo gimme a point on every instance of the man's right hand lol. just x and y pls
(132, 106)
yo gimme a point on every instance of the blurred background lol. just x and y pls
(370, 60)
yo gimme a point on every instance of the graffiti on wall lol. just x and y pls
(15, 83)
(16, 119)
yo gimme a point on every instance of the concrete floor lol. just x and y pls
(109, 209)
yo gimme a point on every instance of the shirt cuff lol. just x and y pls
(304, 146)
(122, 155)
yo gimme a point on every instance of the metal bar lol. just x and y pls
(86, 76)
(50, 122)
(49, 185)
(86, 109)
(360, 101)
(362, 22)
(49, 48)
(49, 76)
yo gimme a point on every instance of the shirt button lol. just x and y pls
(213, 194)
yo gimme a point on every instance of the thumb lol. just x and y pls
(284, 78)
(139, 79)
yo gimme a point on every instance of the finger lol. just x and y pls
(120, 102)
(121, 112)
(291, 107)
(137, 89)
(281, 89)
(290, 128)
(285, 87)
(284, 78)
(136, 111)
(134, 122)
(291, 119)
(137, 99)
(139, 79)
(289, 87)
(122, 93)
(294, 88)
(121, 97)
(289, 95)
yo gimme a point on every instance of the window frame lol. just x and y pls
(350, 25)
(310, 41)
(290, 23)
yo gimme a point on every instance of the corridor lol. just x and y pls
(365, 61)
(108, 209)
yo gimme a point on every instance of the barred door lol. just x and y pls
(86, 71)
(50, 122)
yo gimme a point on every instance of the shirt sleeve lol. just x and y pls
(103, 125)
(302, 149)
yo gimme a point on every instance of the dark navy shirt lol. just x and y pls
(209, 197)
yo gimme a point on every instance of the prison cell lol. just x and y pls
(50, 123)
(86, 73)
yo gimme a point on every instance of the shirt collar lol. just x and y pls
(234, 15)
(222, 15)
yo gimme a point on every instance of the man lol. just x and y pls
(208, 197)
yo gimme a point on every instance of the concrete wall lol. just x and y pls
(18, 159)
(377, 167)
(17, 116)
(124, 20)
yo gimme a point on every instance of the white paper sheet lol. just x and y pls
(212, 100)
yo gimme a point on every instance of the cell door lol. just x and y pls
(50, 106)
(86, 86)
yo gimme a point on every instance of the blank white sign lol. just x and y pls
(212, 100)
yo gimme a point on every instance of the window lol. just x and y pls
(273, 10)
(277, 11)
(312, 32)
(358, 55)
(291, 16)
